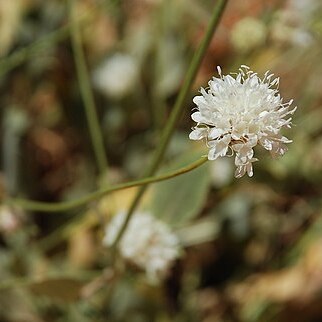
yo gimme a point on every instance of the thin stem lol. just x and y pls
(67, 205)
(177, 110)
(86, 92)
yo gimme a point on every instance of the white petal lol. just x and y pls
(198, 133)
(212, 154)
(199, 100)
(197, 117)
(284, 139)
(219, 70)
(249, 168)
(220, 148)
(239, 130)
(244, 155)
(214, 133)
(252, 140)
(266, 143)
(240, 171)
(254, 81)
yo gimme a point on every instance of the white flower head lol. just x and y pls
(10, 219)
(147, 242)
(117, 75)
(234, 114)
(248, 34)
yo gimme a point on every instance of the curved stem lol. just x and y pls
(87, 95)
(67, 205)
(177, 110)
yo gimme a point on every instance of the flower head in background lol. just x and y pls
(10, 219)
(147, 242)
(117, 75)
(234, 114)
(248, 34)
(295, 23)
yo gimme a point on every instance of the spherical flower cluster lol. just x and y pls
(147, 242)
(10, 219)
(234, 114)
(248, 34)
(117, 75)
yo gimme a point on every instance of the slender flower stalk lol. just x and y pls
(177, 110)
(68, 205)
(86, 92)
(234, 114)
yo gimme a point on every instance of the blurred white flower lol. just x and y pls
(304, 9)
(287, 29)
(236, 113)
(116, 77)
(248, 33)
(294, 23)
(9, 219)
(147, 242)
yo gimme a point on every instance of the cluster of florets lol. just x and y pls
(234, 114)
(147, 242)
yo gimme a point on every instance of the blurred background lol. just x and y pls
(252, 246)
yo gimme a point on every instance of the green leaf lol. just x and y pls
(201, 231)
(181, 199)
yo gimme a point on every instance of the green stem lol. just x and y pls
(67, 205)
(177, 110)
(87, 95)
